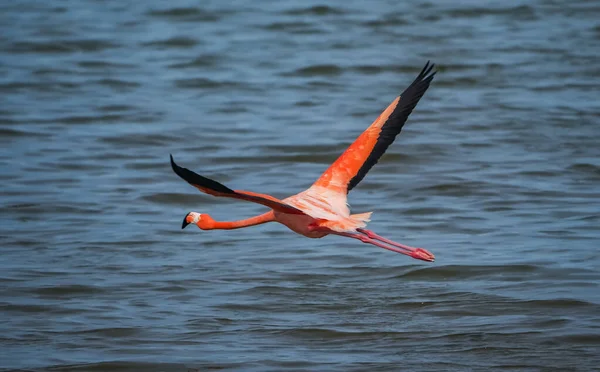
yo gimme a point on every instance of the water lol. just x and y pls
(497, 172)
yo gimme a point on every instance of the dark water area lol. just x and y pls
(497, 172)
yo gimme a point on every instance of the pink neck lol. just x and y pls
(252, 221)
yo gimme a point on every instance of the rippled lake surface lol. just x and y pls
(497, 172)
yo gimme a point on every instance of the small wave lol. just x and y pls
(318, 10)
(317, 70)
(387, 20)
(521, 12)
(116, 108)
(203, 61)
(561, 303)
(174, 42)
(8, 133)
(206, 83)
(139, 140)
(585, 168)
(457, 272)
(42, 208)
(293, 27)
(65, 46)
(118, 83)
(53, 86)
(68, 290)
(169, 198)
(90, 119)
(42, 310)
(116, 332)
(324, 334)
(190, 14)
(102, 65)
(125, 366)
(581, 338)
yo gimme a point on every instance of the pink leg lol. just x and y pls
(371, 238)
(372, 235)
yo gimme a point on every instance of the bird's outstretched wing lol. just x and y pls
(215, 188)
(352, 166)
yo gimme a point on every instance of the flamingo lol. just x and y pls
(322, 209)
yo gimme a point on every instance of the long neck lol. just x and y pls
(252, 221)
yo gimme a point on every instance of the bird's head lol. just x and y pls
(203, 221)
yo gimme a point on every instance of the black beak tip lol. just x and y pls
(184, 223)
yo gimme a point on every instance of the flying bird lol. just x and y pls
(322, 209)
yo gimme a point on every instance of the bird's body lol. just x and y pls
(322, 209)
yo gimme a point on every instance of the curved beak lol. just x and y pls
(185, 221)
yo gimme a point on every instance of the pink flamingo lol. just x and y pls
(322, 209)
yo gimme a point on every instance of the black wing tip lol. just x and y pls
(426, 73)
(195, 179)
(424, 78)
(181, 172)
(173, 165)
(393, 125)
(421, 82)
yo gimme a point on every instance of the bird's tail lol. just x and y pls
(350, 223)
(362, 217)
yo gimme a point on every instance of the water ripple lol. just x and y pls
(496, 172)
